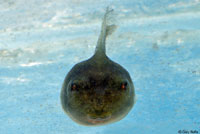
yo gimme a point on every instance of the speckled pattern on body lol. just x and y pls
(157, 41)
(98, 91)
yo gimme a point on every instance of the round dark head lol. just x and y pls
(97, 93)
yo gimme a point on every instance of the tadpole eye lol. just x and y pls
(73, 87)
(124, 85)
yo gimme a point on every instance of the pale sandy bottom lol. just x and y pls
(158, 42)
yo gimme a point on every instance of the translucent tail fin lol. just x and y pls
(105, 31)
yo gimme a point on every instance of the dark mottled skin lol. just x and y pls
(97, 91)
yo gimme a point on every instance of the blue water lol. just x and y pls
(158, 42)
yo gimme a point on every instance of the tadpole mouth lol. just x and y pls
(96, 120)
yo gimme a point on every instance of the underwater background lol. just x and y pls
(157, 41)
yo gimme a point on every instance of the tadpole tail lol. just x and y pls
(106, 30)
